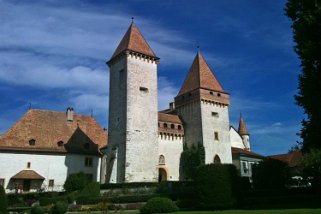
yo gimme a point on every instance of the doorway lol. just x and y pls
(162, 175)
(26, 185)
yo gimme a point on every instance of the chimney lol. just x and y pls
(172, 105)
(70, 114)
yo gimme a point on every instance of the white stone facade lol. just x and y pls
(133, 120)
(54, 167)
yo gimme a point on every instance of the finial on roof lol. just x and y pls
(198, 46)
(133, 19)
(92, 113)
(29, 106)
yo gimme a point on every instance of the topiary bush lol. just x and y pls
(91, 189)
(59, 208)
(3, 201)
(37, 210)
(159, 205)
(76, 181)
(217, 186)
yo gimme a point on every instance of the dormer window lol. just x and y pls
(165, 125)
(172, 126)
(32, 142)
(218, 94)
(179, 127)
(60, 144)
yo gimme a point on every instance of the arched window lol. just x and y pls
(32, 142)
(179, 127)
(60, 144)
(161, 160)
(217, 159)
(172, 126)
(165, 125)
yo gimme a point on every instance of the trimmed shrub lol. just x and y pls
(37, 210)
(60, 207)
(76, 181)
(3, 201)
(128, 185)
(87, 200)
(159, 205)
(48, 201)
(217, 186)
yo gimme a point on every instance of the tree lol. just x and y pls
(306, 18)
(191, 158)
(270, 174)
(76, 181)
(3, 201)
(312, 166)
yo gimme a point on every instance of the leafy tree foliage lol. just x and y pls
(76, 181)
(3, 201)
(159, 205)
(306, 18)
(270, 174)
(312, 166)
(191, 158)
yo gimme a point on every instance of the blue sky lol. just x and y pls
(53, 54)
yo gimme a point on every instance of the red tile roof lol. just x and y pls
(48, 128)
(200, 76)
(133, 40)
(293, 159)
(242, 127)
(28, 175)
(245, 152)
(168, 118)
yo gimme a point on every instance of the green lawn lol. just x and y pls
(287, 211)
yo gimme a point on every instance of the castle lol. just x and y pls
(145, 145)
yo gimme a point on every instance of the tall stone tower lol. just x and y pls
(203, 105)
(133, 118)
(244, 134)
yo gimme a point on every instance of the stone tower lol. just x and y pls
(203, 106)
(133, 120)
(244, 134)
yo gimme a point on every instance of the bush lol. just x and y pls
(76, 182)
(87, 200)
(60, 207)
(128, 185)
(159, 205)
(91, 189)
(37, 210)
(3, 201)
(48, 201)
(217, 186)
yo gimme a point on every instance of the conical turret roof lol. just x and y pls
(133, 40)
(200, 76)
(242, 127)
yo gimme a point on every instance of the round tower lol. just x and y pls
(244, 134)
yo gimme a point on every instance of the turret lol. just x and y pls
(244, 134)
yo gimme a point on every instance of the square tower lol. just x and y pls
(203, 106)
(133, 118)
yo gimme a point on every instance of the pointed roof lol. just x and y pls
(133, 40)
(242, 128)
(200, 76)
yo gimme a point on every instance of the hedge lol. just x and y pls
(88, 200)
(217, 186)
(128, 185)
(159, 205)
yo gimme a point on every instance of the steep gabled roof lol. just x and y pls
(200, 76)
(242, 127)
(47, 128)
(133, 40)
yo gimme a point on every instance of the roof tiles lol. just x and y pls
(200, 76)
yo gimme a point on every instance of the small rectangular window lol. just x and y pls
(144, 89)
(216, 136)
(214, 114)
(28, 165)
(51, 183)
(89, 161)
(245, 167)
(2, 182)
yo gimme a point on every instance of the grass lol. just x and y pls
(280, 211)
